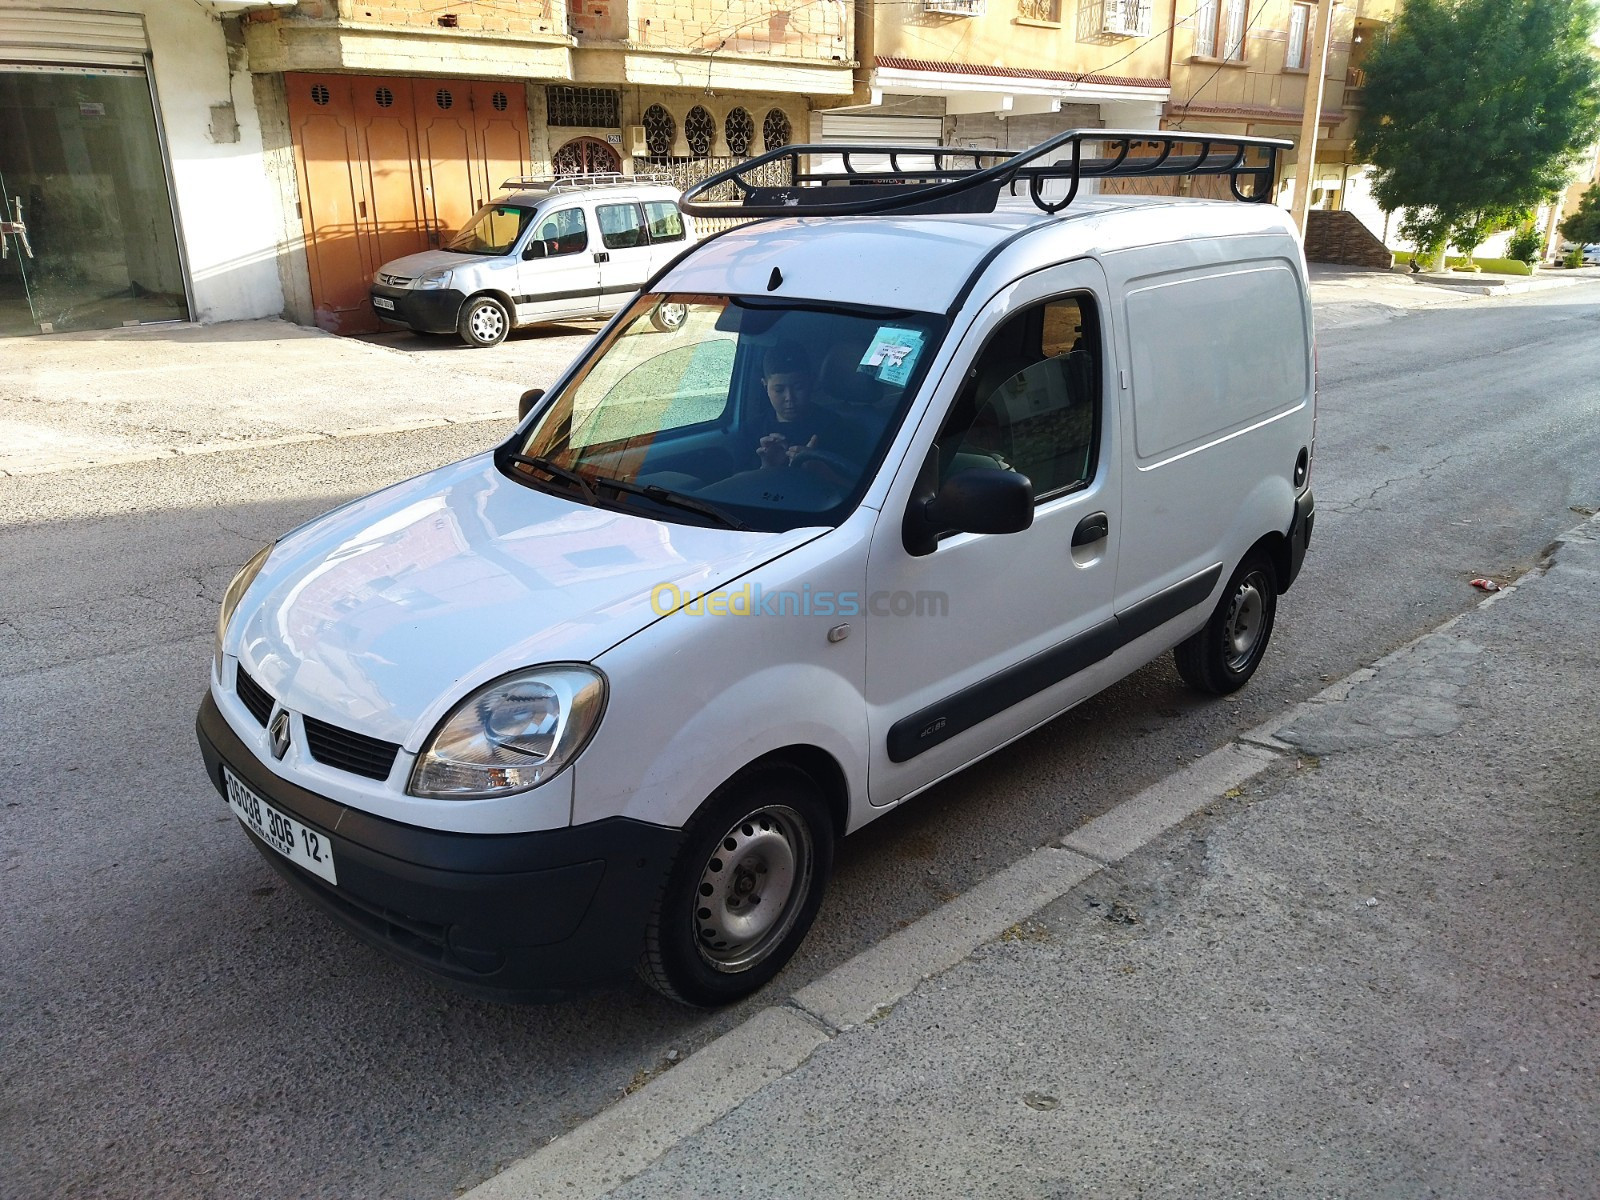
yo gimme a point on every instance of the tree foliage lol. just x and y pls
(1583, 226)
(1478, 107)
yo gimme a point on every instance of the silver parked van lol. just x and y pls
(576, 246)
(935, 449)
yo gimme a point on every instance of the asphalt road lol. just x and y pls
(175, 1023)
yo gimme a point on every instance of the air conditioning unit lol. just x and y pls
(1126, 18)
(956, 8)
(638, 145)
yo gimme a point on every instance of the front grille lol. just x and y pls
(353, 752)
(255, 697)
(394, 280)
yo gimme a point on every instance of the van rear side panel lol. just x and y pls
(1216, 406)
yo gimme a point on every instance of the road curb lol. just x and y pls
(625, 1140)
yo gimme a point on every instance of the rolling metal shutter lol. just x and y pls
(58, 36)
(856, 129)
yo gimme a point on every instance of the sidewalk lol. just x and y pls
(123, 395)
(1346, 296)
(1355, 953)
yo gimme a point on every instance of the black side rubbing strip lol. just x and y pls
(1169, 602)
(925, 729)
(910, 736)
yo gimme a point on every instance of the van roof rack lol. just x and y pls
(567, 183)
(946, 179)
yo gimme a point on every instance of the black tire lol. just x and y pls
(669, 315)
(483, 322)
(765, 835)
(1222, 656)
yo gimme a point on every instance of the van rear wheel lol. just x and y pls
(1223, 656)
(483, 322)
(745, 887)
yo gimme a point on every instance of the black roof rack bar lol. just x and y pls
(941, 182)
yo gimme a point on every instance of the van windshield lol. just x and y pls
(494, 229)
(731, 410)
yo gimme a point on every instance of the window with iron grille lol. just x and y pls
(699, 128)
(583, 107)
(659, 131)
(740, 130)
(1219, 28)
(1039, 10)
(776, 130)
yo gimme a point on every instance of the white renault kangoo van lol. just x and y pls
(932, 453)
(578, 246)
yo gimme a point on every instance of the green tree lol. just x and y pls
(1583, 226)
(1477, 107)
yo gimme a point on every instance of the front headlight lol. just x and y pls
(433, 279)
(511, 735)
(235, 593)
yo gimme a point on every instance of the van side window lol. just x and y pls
(664, 219)
(621, 227)
(564, 232)
(1031, 400)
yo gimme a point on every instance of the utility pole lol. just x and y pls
(1310, 123)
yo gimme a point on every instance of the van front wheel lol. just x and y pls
(745, 887)
(1222, 656)
(483, 322)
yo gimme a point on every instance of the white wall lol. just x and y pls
(228, 213)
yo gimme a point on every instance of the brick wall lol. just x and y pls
(1340, 237)
(503, 16)
(820, 30)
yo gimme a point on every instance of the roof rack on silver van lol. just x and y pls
(946, 179)
(567, 183)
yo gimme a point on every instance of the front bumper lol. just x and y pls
(430, 310)
(523, 916)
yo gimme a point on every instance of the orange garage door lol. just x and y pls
(390, 166)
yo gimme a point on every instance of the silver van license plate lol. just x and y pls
(380, 302)
(303, 847)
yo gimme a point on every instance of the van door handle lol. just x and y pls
(601, 256)
(1096, 527)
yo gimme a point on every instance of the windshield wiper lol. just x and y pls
(672, 499)
(555, 470)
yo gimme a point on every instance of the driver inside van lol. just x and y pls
(799, 432)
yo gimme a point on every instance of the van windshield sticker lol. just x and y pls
(893, 354)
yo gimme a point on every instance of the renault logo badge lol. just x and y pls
(278, 732)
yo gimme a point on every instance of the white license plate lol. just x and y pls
(380, 302)
(302, 846)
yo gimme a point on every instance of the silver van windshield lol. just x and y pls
(774, 415)
(494, 229)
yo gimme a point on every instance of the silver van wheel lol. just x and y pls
(1222, 656)
(484, 322)
(669, 316)
(1247, 609)
(750, 887)
(744, 887)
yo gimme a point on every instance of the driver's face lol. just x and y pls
(788, 394)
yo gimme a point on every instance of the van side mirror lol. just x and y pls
(535, 249)
(529, 398)
(977, 500)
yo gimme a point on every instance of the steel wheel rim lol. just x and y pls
(487, 323)
(752, 887)
(673, 315)
(1247, 620)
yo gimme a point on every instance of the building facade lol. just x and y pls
(130, 166)
(281, 150)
